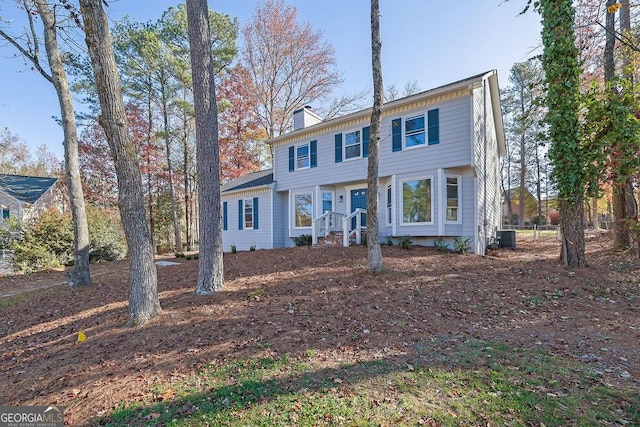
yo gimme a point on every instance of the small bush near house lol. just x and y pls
(440, 245)
(252, 247)
(234, 249)
(389, 241)
(462, 245)
(303, 240)
(405, 242)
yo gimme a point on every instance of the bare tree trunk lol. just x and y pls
(522, 188)
(80, 274)
(210, 264)
(177, 235)
(143, 294)
(374, 252)
(187, 201)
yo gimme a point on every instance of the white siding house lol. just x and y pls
(439, 173)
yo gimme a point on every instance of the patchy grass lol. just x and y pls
(478, 383)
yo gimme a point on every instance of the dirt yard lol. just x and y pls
(288, 301)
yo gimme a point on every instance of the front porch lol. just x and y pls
(335, 228)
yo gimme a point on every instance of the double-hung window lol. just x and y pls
(303, 209)
(352, 145)
(248, 213)
(5, 212)
(453, 198)
(416, 201)
(414, 131)
(302, 156)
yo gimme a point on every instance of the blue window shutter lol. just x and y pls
(225, 221)
(255, 213)
(292, 158)
(240, 214)
(313, 153)
(339, 148)
(433, 121)
(365, 141)
(396, 135)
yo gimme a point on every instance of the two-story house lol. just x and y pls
(439, 157)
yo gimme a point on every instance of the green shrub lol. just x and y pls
(462, 245)
(405, 242)
(106, 236)
(440, 244)
(252, 247)
(303, 240)
(48, 242)
(389, 241)
(234, 250)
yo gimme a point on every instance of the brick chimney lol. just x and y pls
(305, 117)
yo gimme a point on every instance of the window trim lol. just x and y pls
(296, 159)
(244, 214)
(344, 145)
(446, 198)
(333, 198)
(293, 199)
(427, 126)
(404, 130)
(431, 202)
(389, 204)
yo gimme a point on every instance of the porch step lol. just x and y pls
(334, 238)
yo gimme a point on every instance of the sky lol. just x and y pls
(427, 41)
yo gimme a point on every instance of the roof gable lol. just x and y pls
(26, 189)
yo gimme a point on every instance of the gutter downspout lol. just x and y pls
(484, 165)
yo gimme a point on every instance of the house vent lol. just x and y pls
(305, 117)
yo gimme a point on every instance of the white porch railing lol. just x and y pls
(346, 226)
(326, 223)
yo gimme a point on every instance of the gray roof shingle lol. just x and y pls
(25, 188)
(250, 180)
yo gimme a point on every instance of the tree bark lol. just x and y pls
(143, 293)
(374, 252)
(80, 274)
(572, 229)
(210, 264)
(177, 236)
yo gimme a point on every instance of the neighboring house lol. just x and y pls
(25, 197)
(439, 158)
(530, 206)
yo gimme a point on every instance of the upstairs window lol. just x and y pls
(352, 145)
(302, 157)
(414, 131)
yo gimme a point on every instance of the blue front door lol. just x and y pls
(359, 200)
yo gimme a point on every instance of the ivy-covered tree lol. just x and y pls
(567, 152)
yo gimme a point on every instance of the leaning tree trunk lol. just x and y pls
(143, 294)
(374, 253)
(210, 264)
(80, 274)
